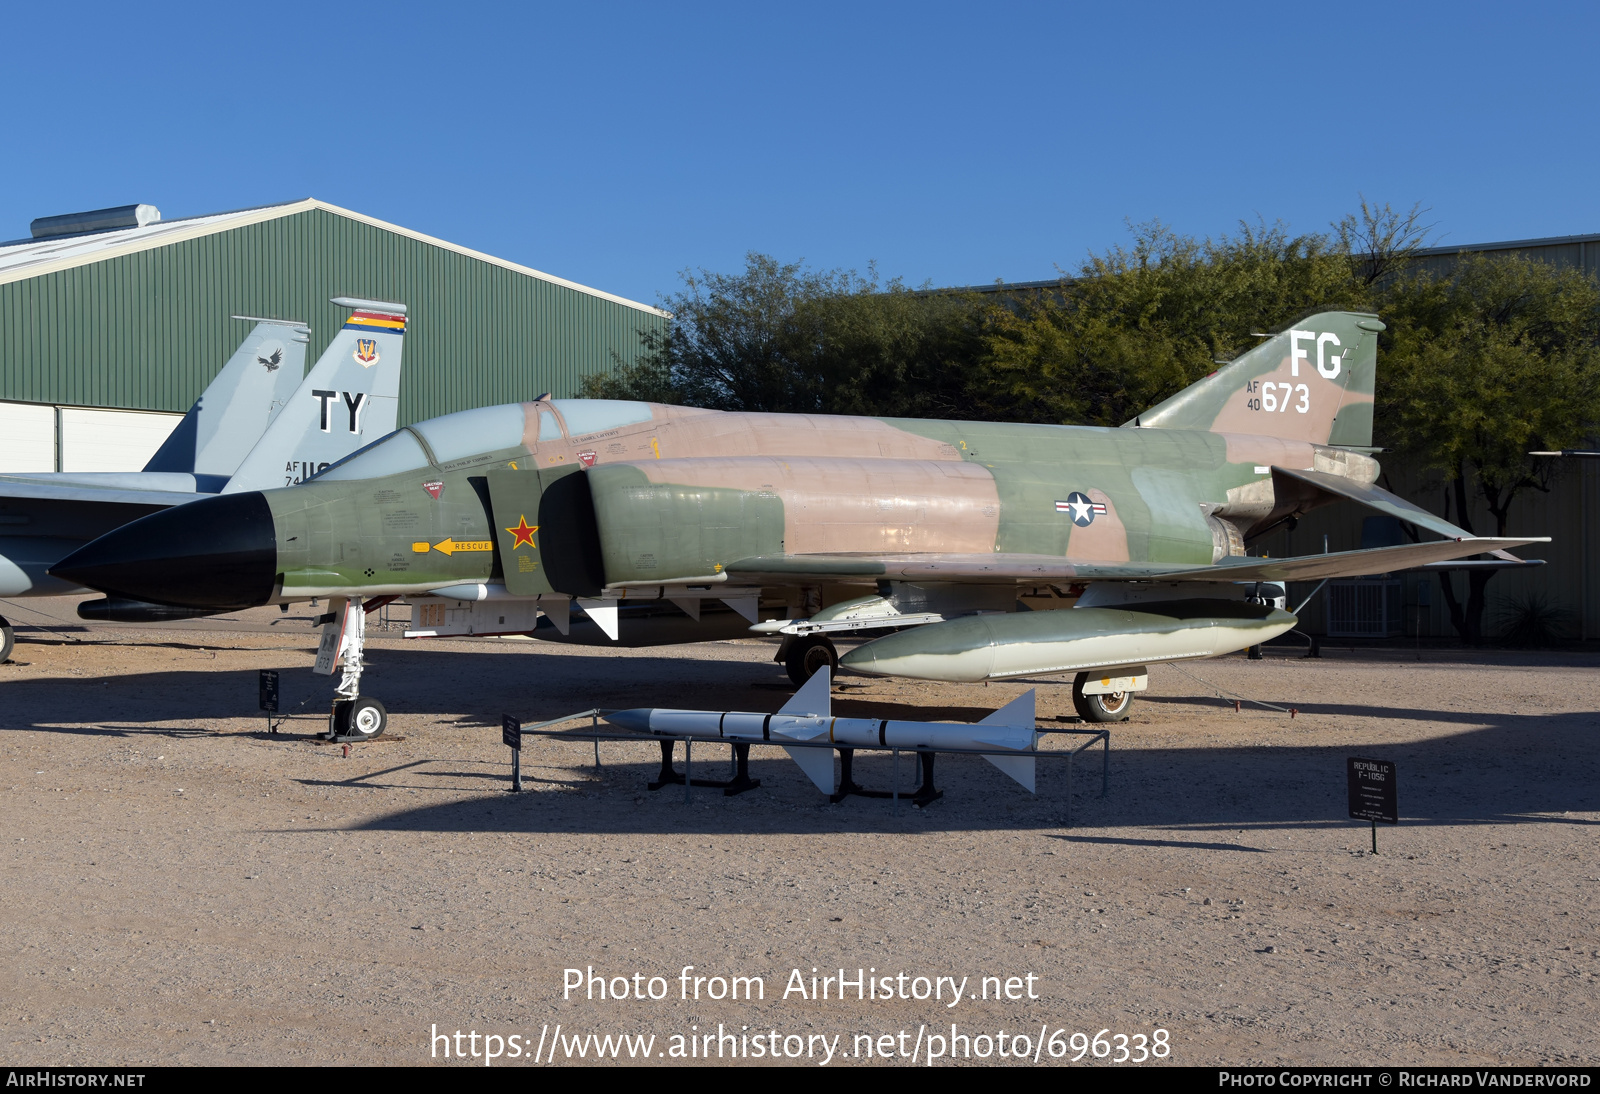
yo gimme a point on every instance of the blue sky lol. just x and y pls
(616, 145)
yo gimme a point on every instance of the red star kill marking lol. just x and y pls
(522, 533)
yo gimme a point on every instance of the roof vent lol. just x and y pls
(96, 220)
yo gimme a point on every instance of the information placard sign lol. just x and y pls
(1372, 791)
(511, 732)
(269, 690)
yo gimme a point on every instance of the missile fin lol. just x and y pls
(1019, 768)
(689, 607)
(1018, 712)
(603, 613)
(813, 698)
(817, 763)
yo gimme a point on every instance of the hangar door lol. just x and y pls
(74, 438)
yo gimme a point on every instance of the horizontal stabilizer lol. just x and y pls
(1374, 560)
(1287, 482)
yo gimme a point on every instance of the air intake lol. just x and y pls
(96, 220)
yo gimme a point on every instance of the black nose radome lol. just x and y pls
(220, 553)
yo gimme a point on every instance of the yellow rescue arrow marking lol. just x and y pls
(451, 546)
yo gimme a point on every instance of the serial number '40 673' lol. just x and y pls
(1270, 395)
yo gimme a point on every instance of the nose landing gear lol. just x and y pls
(358, 719)
(355, 717)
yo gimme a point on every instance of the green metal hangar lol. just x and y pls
(112, 322)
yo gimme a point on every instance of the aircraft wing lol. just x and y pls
(22, 490)
(1021, 569)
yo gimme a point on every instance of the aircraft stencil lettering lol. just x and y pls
(697, 524)
(354, 403)
(295, 473)
(1274, 396)
(1327, 366)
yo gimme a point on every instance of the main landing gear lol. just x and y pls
(8, 639)
(805, 655)
(1112, 707)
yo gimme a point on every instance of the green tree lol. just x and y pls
(1140, 323)
(1499, 359)
(779, 337)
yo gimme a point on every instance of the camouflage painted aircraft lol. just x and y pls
(263, 422)
(657, 520)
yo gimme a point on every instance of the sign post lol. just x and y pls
(269, 695)
(1373, 795)
(511, 734)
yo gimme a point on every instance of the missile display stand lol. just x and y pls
(669, 776)
(923, 795)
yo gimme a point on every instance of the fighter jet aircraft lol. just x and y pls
(257, 425)
(936, 531)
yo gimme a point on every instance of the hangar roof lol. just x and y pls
(25, 258)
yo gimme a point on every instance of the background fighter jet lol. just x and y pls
(940, 531)
(257, 425)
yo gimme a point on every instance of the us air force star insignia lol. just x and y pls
(522, 533)
(1080, 508)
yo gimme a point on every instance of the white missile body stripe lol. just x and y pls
(806, 718)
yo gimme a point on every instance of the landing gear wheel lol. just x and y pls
(361, 719)
(1100, 708)
(808, 655)
(8, 640)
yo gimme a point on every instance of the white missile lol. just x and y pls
(806, 718)
(998, 647)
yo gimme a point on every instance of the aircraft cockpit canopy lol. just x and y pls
(390, 455)
(470, 432)
(448, 438)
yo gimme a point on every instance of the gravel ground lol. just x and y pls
(180, 887)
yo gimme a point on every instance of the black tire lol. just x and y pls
(1100, 708)
(8, 640)
(809, 654)
(362, 718)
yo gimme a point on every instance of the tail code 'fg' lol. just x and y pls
(1313, 383)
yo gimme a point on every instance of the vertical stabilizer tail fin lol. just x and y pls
(350, 398)
(238, 406)
(1313, 382)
